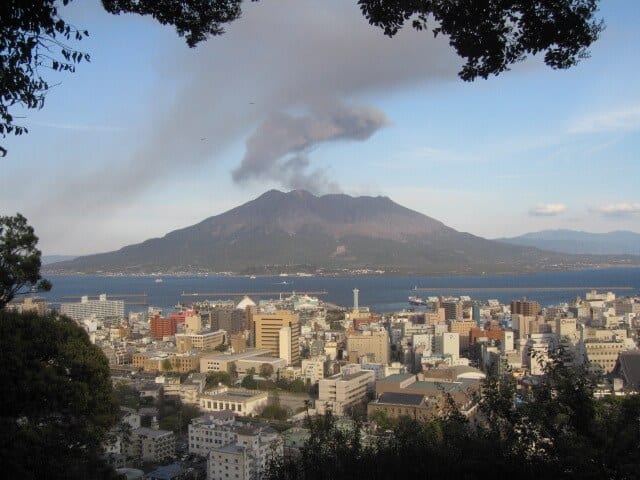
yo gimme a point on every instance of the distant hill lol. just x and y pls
(297, 231)
(49, 259)
(575, 242)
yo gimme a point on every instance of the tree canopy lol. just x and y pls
(57, 404)
(556, 429)
(490, 35)
(19, 259)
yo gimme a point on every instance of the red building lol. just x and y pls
(163, 327)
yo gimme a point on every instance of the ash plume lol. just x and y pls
(278, 148)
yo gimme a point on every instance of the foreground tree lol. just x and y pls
(555, 429)
(19, 259)
(490, 35)
(57, 403)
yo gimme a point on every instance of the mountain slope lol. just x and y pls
(298, 231)
(576, 242)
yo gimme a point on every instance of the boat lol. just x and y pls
(158, 280)
(414, 300)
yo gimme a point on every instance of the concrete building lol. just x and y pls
(151, 445)
(525, 307)
(192, 322)
(313, 368)
(186, 342)
(371, 343)
(101, 309)
(267, 334)
(452, 310)
(340, 393)
(221, 362)
(238, 400)
(463, 329)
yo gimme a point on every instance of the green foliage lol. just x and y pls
(126, 395)
(35, 38)
(223, 347)
(19, 259)
(489, 35)
(57, 404)
(248, 381)
(266, 370)
(493, 35)
(554, 430)
(166, 364)
(214, 378)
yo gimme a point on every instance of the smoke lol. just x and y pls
(278, 148)
(317, 58)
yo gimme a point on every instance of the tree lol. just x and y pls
(57, 404)
(266, 370)
(19, 259)
(166, 364)
(215, 378)
(556, 429)
(248, 381)
(490, 35)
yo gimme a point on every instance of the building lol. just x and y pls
(371, 343)
(340, 393)
(186, 342)
(101, 309)
(462, 328)
(163, 327)
(267, 334)
(231, 462)
(313, 368)
(525, 307)
(452, 310)
(151, 445)
(238, 400)
(224, 362)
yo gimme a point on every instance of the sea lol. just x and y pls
(380, 293)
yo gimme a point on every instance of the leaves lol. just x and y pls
(492, 35)
(19, 259)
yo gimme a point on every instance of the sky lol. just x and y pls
(151, 135)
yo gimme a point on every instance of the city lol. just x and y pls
(225, 381)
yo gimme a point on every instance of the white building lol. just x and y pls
(100, 309)
(340, 393)
(238, 400)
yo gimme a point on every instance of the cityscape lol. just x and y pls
(234, 381)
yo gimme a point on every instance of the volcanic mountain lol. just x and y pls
(298, 231)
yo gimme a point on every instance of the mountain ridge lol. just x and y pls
(616, 242)
(298, 231)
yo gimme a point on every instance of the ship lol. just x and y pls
(413, 300)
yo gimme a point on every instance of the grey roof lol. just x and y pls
(397, 377)
(168, 472)
(412, 399)
(629, 368)
(230, 448)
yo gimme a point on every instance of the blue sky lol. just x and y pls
(145, 138)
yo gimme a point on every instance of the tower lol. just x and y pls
(356, 307)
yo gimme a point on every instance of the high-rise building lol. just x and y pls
(267, 334)
(452, 310)
(525, 307)
(374, 344)
(163, 327)
(101, 309)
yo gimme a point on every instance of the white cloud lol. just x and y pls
(617, 209)
(619, 120)
(547, 209)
